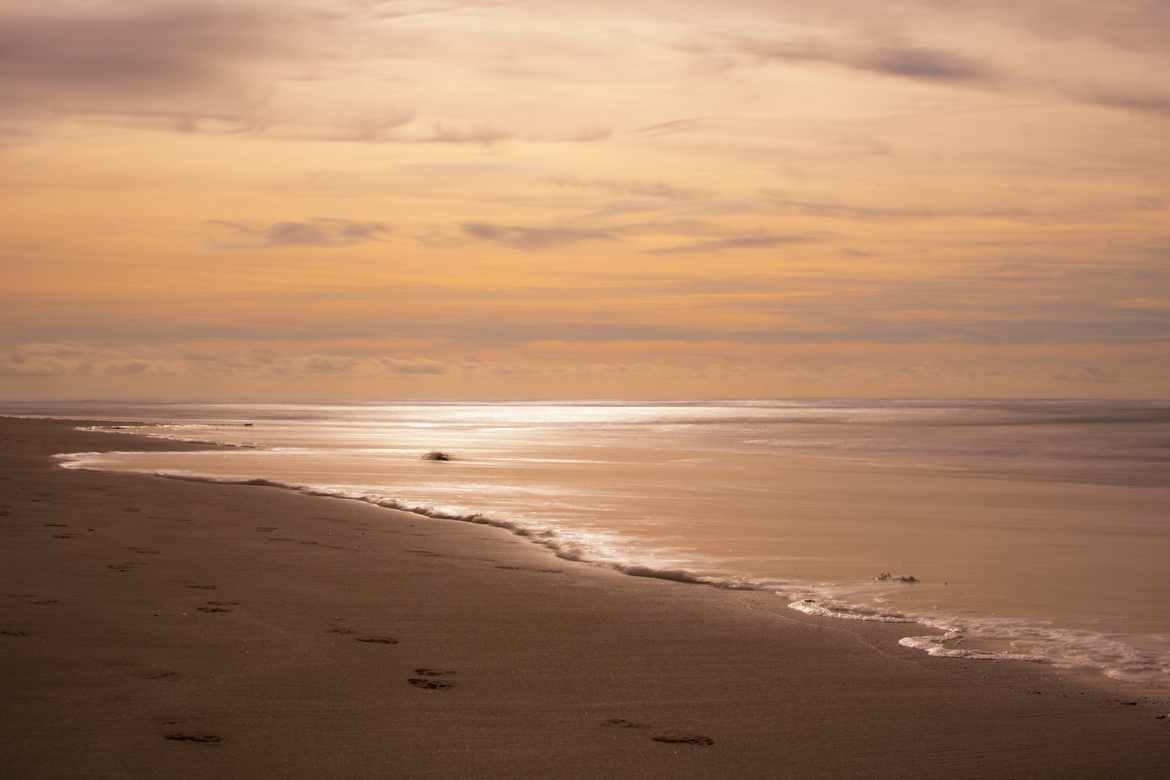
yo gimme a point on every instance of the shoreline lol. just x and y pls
(539, 655)
(934, 635)
(1091, 679)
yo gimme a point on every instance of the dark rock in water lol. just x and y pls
(437, 455)
(202, 739)
(885, 576)
(684, 739)
(622, 723)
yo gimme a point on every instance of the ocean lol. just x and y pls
(1033, 530)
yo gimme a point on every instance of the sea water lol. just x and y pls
(1036, 530)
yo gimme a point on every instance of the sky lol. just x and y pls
(644, 199)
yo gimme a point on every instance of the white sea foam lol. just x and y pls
(167, 431)
(835, 609)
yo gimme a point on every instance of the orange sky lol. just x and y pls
(355, 199)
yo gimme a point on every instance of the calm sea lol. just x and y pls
(1026, 529)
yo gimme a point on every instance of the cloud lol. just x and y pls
(1153, 305)
(845, 211)
(478, 134)
(67, 359)
(182, 59)
(414, 366)
(128, 368)
(56, 360)
(1049, 46)
(323, 233)
(634, 188)
(733, 243)
(686, 124)
(534, 238)
(1087, 374)
(1128, 100)
(920, 63)
(41, 360)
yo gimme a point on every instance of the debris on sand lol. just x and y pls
(437, 455)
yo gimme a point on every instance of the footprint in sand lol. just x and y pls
(201, 587)
(13, 632)
(684, 739)
(430, 683)
(201, 739)
(212, 607)
(265, 529)
(376, 640)
(159, 674)
(124, 566)
(64, 536)
(143, 550)
(55, 525)
(426, 672)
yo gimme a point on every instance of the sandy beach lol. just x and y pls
(158, 628)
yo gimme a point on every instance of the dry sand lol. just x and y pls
(155, 628)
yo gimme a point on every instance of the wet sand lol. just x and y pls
(151, 627)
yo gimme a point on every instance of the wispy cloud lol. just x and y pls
(922, 63)
(683, 125)
(829, 210)
(744, 242)
(476, 134)
(534, 238)
(322, 233)
(634, 188)
(1146, 102)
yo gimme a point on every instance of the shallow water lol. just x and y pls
(1035, 530)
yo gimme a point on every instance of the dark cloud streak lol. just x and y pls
(534, 238)
(322, 233)
(920, 63)
(733, 243)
